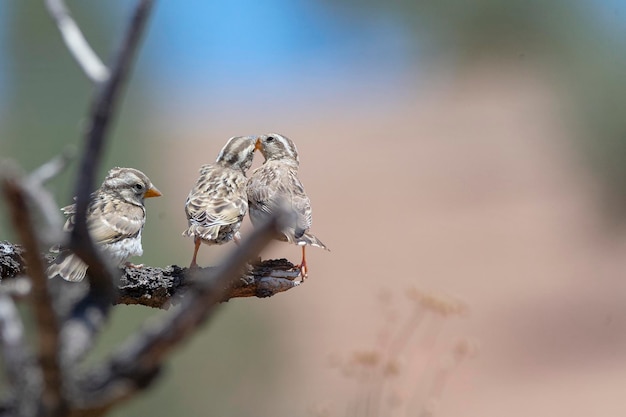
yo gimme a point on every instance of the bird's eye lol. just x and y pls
(270, 138)
(138, 186)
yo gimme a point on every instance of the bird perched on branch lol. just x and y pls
(217, 203)
(115, 218)
(275, 184)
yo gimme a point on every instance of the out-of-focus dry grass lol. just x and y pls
(467, 185)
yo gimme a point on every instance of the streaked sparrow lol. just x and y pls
(115, 218)
(217, 203)
(275, 184)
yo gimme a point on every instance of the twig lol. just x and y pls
(45, 316)
(102, 109)
(43, 199)
(50, 169)
(136, 363)
(76, 43)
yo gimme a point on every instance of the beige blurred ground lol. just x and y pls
(468, 185)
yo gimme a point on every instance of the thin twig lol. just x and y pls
(76, 43)
(50, 169)
(45, 316)
(136, 363)
(43, 200)
(102, 110)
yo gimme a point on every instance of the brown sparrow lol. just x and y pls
(275, 184)
(115, 219)
(217, 203)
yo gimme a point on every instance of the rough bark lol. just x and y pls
(160, 287)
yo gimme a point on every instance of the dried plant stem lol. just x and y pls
(45, 316)
(99, 123)
(76, 43)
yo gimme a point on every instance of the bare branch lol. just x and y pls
(45, 316)
(161, 287)
(43, 199)
(102, 109)
(12, 262)
(93, 67)
(50, 169)
(136, 363)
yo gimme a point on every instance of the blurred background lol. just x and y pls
(465, 162)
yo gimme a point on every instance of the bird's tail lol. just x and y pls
(309, 239)
(68, 266)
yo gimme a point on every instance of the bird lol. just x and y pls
(275, 184)
(115, 218)
(217, 203)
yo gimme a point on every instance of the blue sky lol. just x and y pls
(249, 44)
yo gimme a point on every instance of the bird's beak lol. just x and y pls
(152, 192)
(258, 146)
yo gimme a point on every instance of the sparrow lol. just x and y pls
(115, 218)
(217, 203)
(275, 184)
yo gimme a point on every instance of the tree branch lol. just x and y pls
(100, 117)
(45, 316)
(12, 262)
(137, 362)
(161, 287)
(76, 43)
(33, 185)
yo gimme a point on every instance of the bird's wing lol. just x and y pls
(271, 186)
(261, 189)
(299, 202)
(109, 221)
(217, 200)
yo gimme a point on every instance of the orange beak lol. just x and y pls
(258, 146)
(152, 192)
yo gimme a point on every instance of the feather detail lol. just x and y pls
(275, 184)
(217, 203)
(68, 266)
(115, 218)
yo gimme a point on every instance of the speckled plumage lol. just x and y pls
(217, 203)
(276, 183)
(115, 218)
